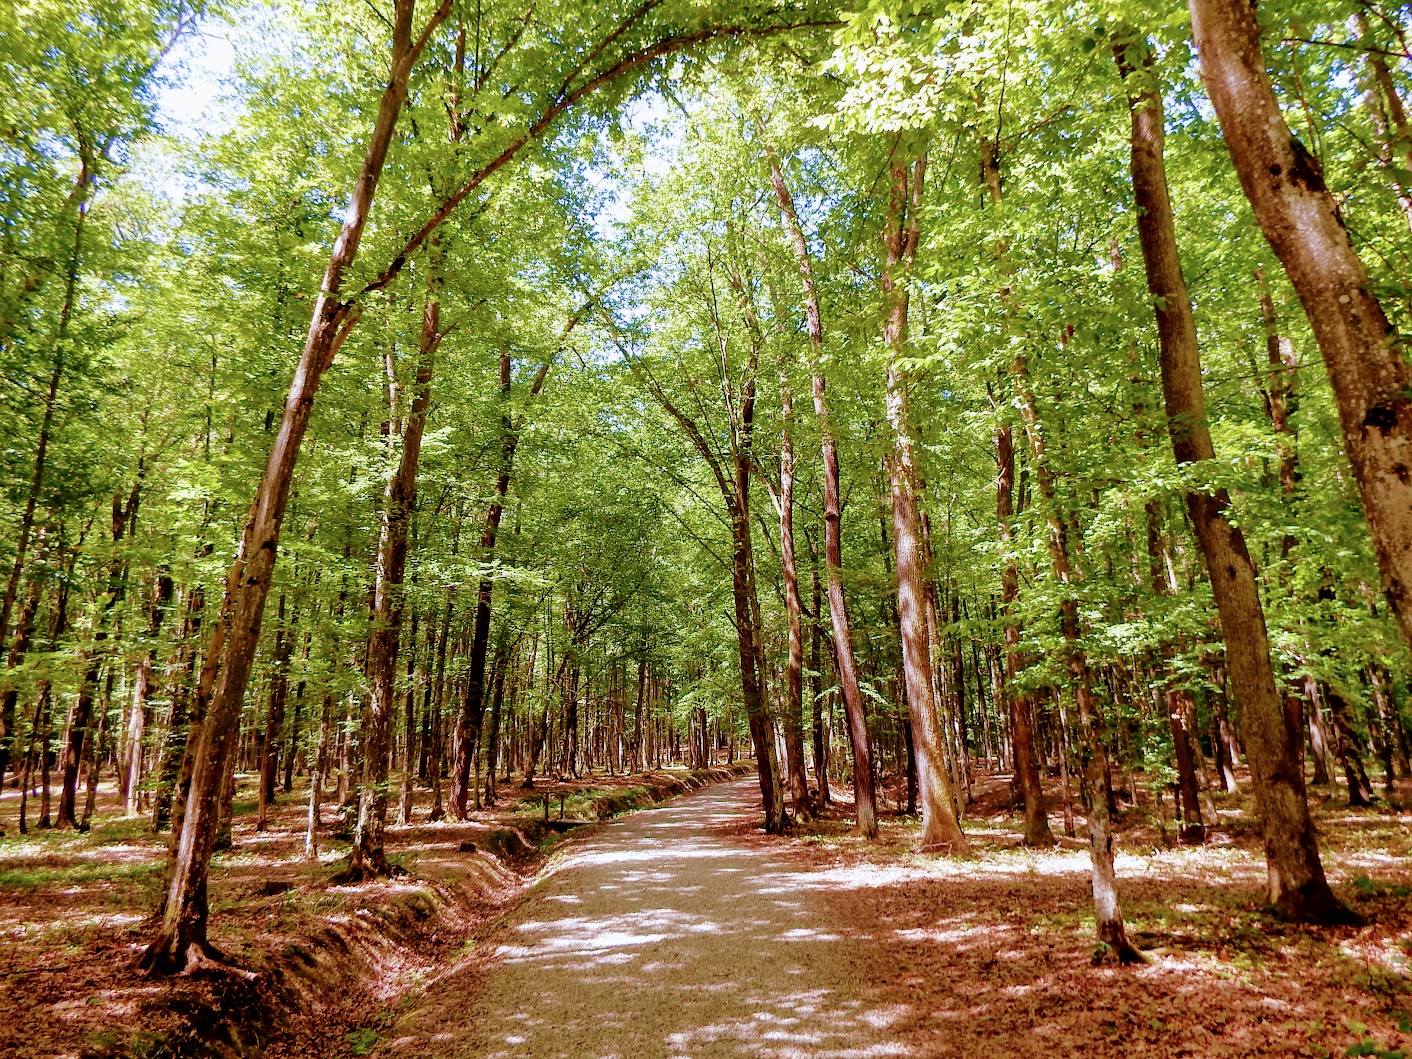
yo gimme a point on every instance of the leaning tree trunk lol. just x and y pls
(1296, 885)
(1367, 365)
(180, 938)
(864, 795)
(940, 827)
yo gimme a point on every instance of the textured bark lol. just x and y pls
(180, 938)
(940, 827)
(865, 797)
(1296, 885)
(1367, 367)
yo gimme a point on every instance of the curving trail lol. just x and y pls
(674, 932)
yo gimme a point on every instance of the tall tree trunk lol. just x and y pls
(816, 684)
(135, 751)
(1296, 885)
(274, 719)
(940, 827)
(78, 200)
(1095, 780)
(368, 857)
(1021, 704)
(180, 938)
(469, 720)
(1367, 364)
(794, 611)
(865, 798)
(24, 636)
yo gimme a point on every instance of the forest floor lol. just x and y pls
(686, 932)
(75, 913)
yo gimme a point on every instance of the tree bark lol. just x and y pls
(1367, 367)
(368, 857)
(1021, 704)
(940, 827)
(1297, 888)
(180, 938)
(864, 795)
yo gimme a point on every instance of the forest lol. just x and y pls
(991, 421)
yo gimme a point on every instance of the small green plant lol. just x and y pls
(360, 1042)
(1370, 1046)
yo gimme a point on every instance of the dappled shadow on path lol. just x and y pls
(667, 935)
(684, 932)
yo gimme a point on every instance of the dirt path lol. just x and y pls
(684, 933)
(673, 932)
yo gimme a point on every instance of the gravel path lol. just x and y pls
(678, 931)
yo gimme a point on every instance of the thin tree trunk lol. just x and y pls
(78, 199)
(369, 857)
(492, 738)
(1021, 704)
(317, 777)
(274, 719)
(816, 683)
(865, 798)
(794, 662)
(135, 756)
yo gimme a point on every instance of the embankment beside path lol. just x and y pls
(342, 957)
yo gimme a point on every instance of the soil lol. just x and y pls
(321, 965)
(686, 932)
